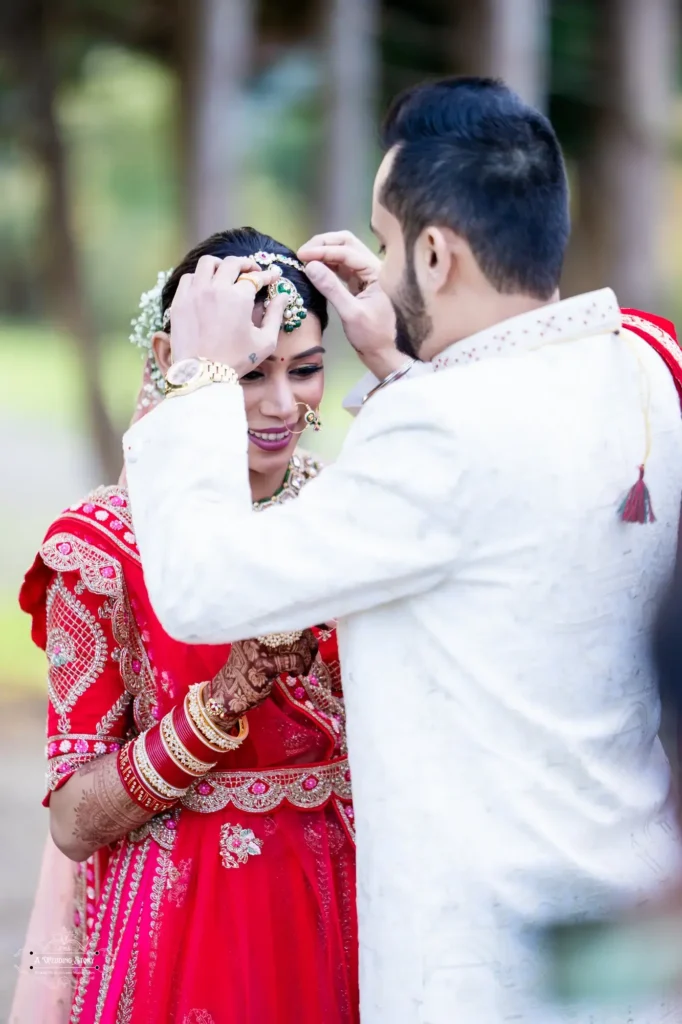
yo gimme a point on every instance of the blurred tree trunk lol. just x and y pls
(216, 60)
(519, 41)
(33, 64)
(620, 182)
(351, 40)
(507, 39)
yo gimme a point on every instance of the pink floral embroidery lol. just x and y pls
(237, 844)
(178, 881)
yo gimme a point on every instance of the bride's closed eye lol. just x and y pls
(300, 372)
(306, 371)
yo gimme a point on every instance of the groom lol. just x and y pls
(492, 605)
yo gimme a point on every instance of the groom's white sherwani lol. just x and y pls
(502, 715)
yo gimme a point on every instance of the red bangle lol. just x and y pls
(135, 787)
(163, 763)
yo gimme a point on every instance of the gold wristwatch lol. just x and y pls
(188, 375)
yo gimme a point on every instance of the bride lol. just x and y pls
(209, 831)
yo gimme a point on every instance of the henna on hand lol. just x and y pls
(294, 659)
(246, 679)
(104, 812)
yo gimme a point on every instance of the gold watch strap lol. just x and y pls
(221, 373)
(211, 373)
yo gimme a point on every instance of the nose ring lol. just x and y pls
(311, 418)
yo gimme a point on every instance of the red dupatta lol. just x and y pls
(661, 335)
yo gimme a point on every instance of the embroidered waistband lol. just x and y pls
(260, 792)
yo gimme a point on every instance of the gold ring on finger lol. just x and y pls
(253, 278)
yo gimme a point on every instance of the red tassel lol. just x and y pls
(636, 506)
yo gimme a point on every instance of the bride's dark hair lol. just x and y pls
(246, 242)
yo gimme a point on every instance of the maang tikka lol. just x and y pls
(294, 311)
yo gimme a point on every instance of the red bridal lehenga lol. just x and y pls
(238, 905)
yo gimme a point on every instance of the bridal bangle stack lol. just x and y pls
(158, 766)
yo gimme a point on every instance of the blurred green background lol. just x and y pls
(129, 130)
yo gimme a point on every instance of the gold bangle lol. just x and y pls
(223, 726)
(221, 729)
(216, 738)
(179, 753)
(134, 787)
(146, 769)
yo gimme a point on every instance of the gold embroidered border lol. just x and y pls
(319, 702)
(100, 573)
(64, 686)
(140, 854)
(304, 787)
(134, 665)
(344, 809)
(661, 336)
(89, 974)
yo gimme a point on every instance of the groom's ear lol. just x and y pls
(434, 259)
(161, 347)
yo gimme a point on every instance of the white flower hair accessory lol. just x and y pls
(148, 321)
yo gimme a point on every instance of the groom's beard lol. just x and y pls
(412, 322)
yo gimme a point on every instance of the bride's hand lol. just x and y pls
(346, 271)
(247, 677)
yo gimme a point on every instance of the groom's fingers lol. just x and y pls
(232, 266)
(205, 269)
(358, 260)
(326, 281)
(329, 238)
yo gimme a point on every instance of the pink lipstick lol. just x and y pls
(271, 440)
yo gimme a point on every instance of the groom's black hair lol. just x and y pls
(247, 242)
(472, 156)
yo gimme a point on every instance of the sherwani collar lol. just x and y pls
(568, 320)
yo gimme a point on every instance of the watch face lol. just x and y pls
(183, 372)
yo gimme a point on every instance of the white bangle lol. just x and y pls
(392, 377)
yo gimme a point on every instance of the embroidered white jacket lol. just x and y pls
(502, 715)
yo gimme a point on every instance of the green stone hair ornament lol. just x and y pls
(148, 322)
(295, 311)
(151, 318)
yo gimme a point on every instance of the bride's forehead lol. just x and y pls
(304, 338)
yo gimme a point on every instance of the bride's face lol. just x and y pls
(277, 392)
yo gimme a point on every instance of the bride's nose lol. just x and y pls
(279, 401)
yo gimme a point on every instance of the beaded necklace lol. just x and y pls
(301, 469)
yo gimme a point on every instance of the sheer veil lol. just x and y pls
(41, 997)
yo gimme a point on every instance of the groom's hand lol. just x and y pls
(346, 271)
(211, 316)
